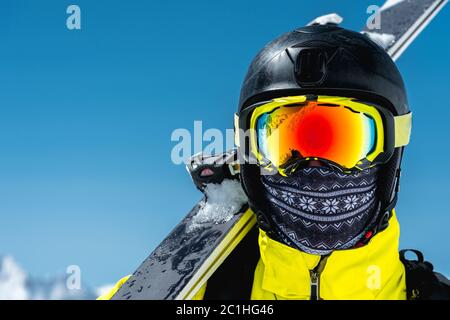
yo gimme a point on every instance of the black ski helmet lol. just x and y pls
(325, 60)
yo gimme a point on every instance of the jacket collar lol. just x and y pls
(369, 272)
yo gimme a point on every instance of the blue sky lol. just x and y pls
(86, 118)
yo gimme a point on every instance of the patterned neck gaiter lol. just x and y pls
(318, 210)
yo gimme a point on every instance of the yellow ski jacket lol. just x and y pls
(370, 272)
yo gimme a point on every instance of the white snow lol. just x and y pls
(16, 284)
(223, 201)
(384, 40)
(328, 18)
(12, 280)
(390, 3)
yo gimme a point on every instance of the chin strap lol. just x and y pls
(381, 224)
(383, 220)
(386, 207)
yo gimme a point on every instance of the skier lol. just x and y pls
(322, 124)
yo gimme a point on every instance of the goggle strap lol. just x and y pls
(402, 126)
(236, 130)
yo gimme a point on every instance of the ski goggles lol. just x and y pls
(342, 132)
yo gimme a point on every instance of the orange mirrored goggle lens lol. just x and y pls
(335, 133)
